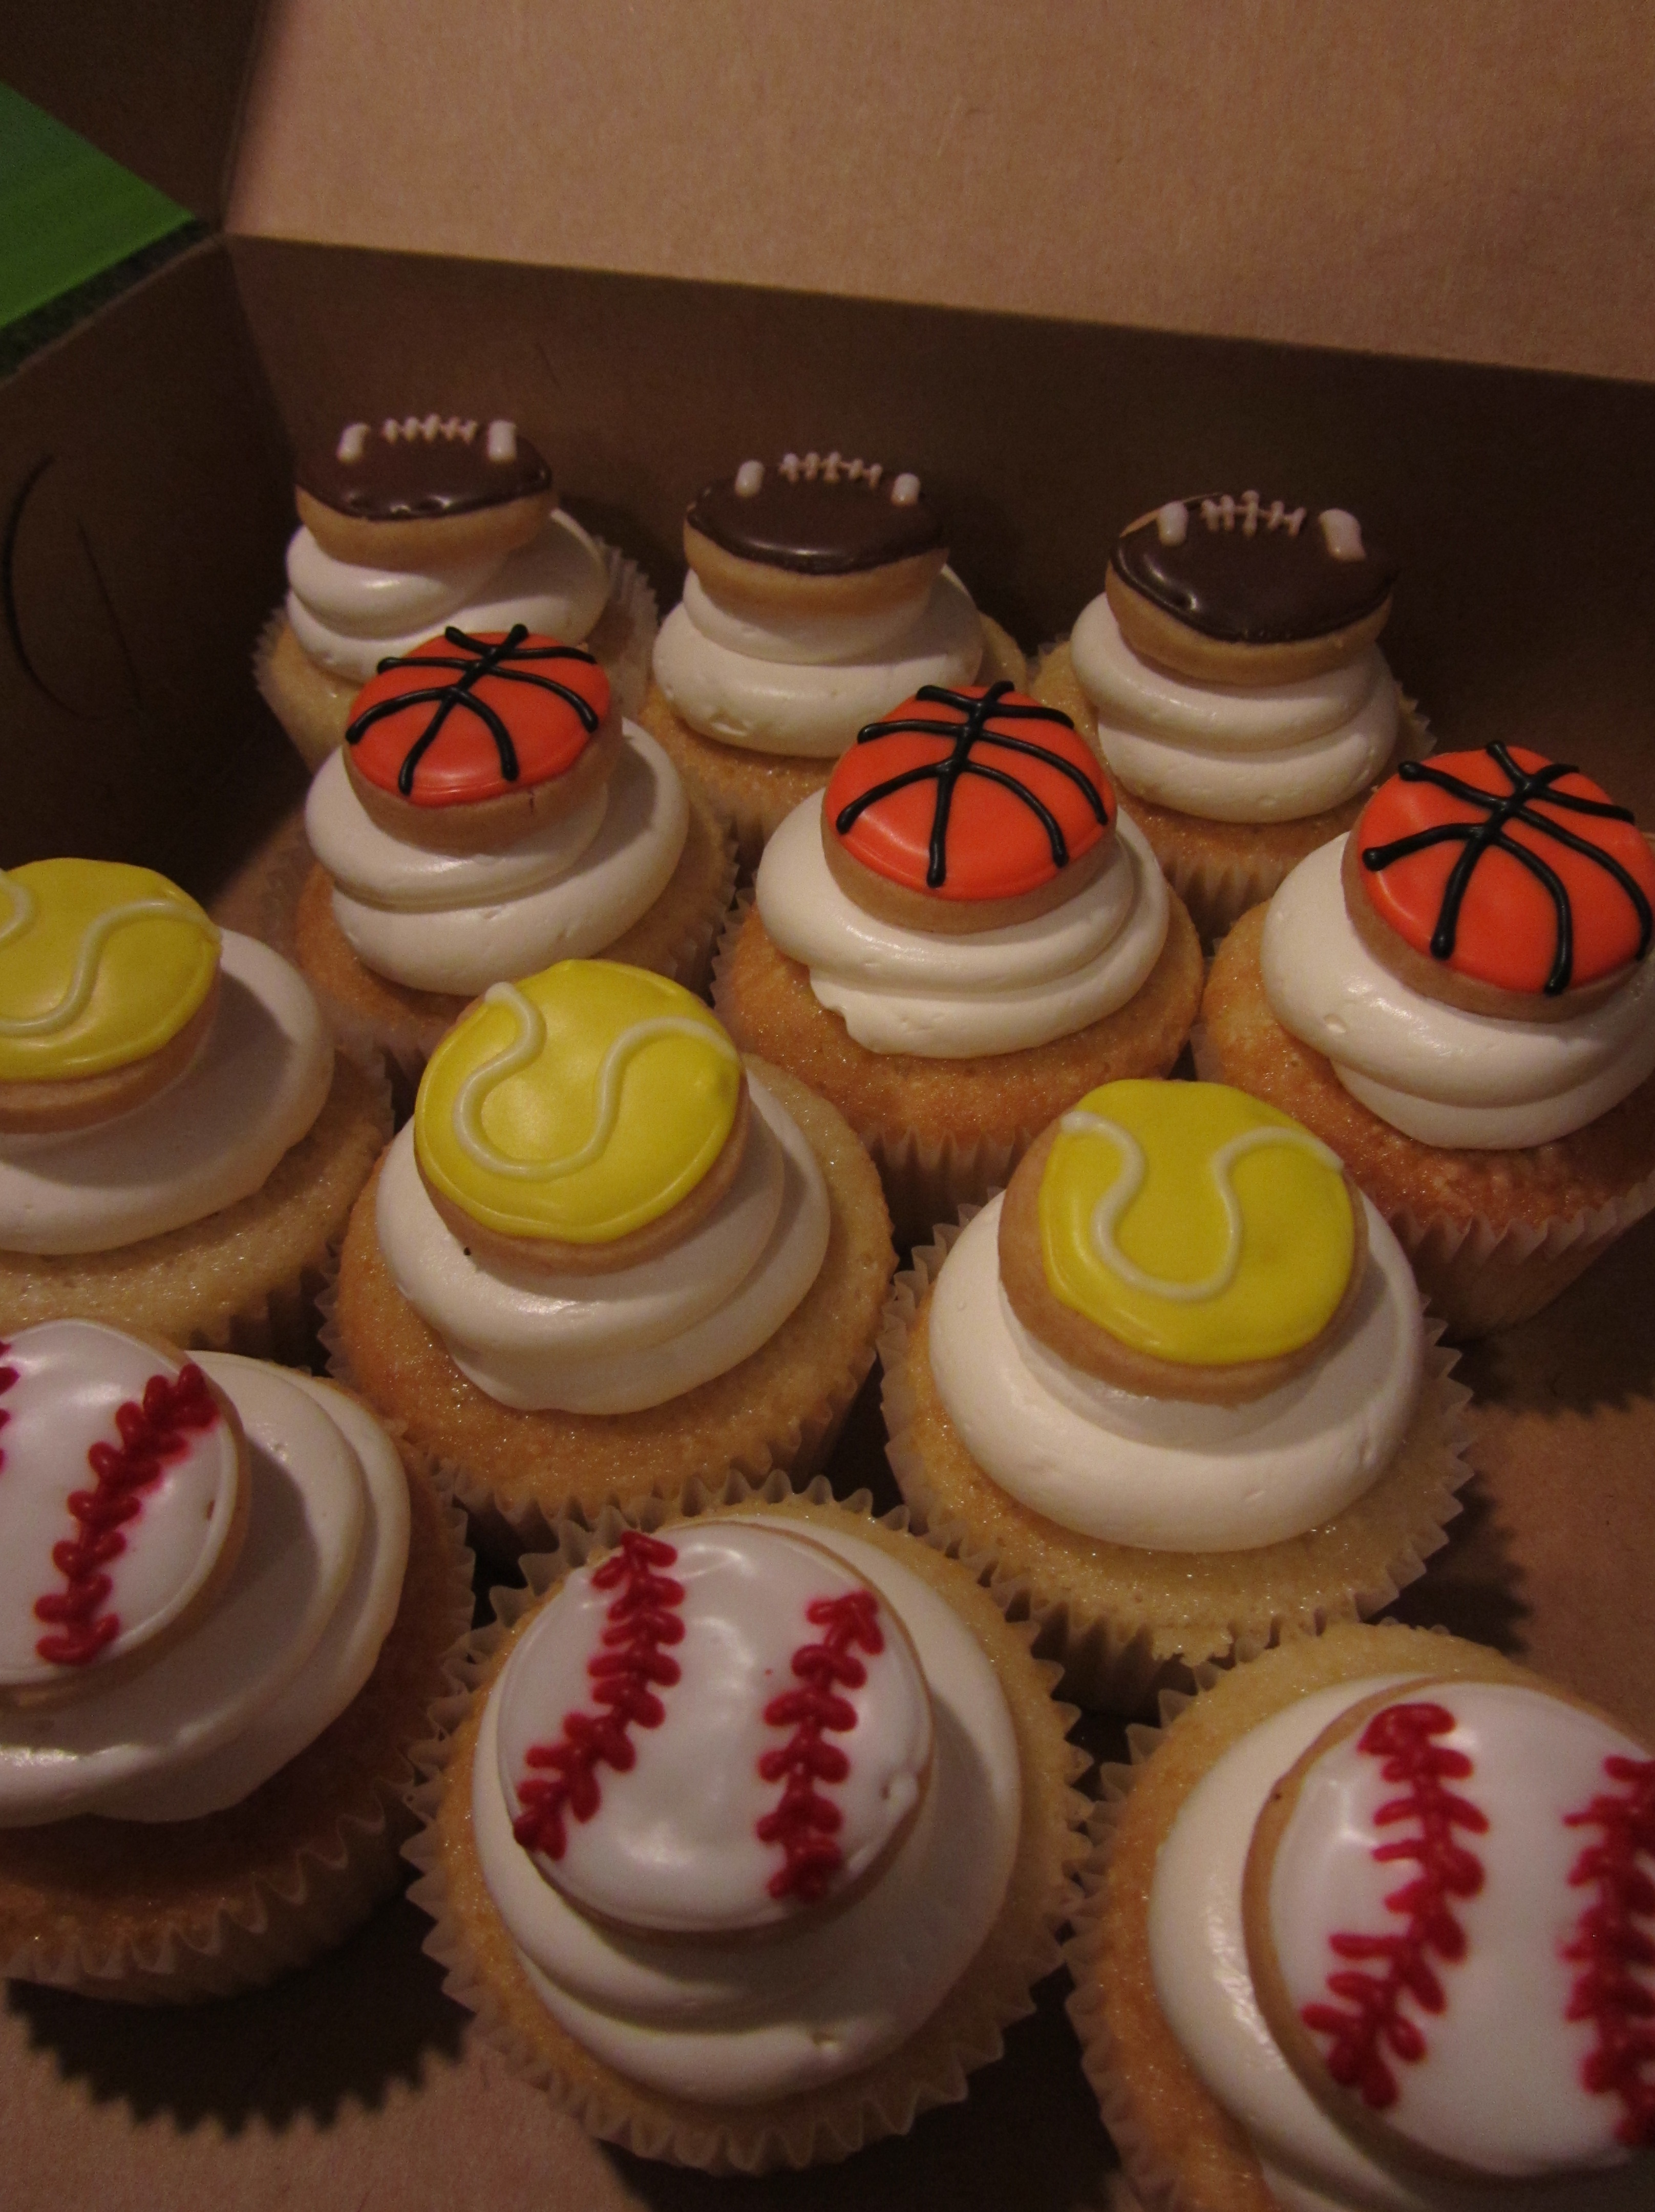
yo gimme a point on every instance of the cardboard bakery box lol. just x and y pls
(1064, 262)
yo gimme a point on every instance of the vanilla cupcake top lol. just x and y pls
(101, 964)
(579, 1105)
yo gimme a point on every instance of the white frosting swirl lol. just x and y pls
(280, 1652)
(211, 1137)
(1431, 1070)
(952, 997)
(349, 619)
(442, 921)
(1203, 1984)
(746, 2023)
(619, 1342)
(1166, 1474)
(1273, 753)
(810, 707)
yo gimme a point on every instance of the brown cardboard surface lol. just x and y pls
(155, 83)
(1473, 182)
(143, 496)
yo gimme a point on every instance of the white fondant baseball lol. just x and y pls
(120, 1475)
(1462, 1911)
(705, 1734)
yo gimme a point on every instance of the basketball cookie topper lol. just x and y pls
(967, 809)
(1501, 882)
(469, 743)
(1246, 591)
(714, 1734)
(1449, 1907)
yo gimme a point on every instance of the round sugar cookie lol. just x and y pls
(583, 1118)
(817, 534)
(1246, 592)
(1181, 1241)
(424, 492)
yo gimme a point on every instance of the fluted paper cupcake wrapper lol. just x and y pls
(404, 1045)
(284, 1906)
(822, 2125)
(622, 637)
(1118, 1649)
(1481, 1278)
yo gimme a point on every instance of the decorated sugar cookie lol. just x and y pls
(967, 809)
(123, 1501)
(585, 1116)
(424, 490)
(1182, 1239)
(108, 976)
(711, 1734)
(816, 516)
(1501, 882)
(1246, 590)
(469, 742)
(1450, 1914)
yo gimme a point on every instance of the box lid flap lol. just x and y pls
(1474, 182)
(156, 85)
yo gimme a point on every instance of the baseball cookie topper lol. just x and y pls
(586, 1119)
(469, 743)
(108, 987)
(1501, 882)
(1246, 591)
(1181, 1241)
(966, 809)
(1449, 1908)
(123, 1500)
(714, 1732)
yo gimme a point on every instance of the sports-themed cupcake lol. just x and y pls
(491, 811)
(1174, 1386)
(605, 1259)
(819, 595)
(757, 1834)
(420, 522)
(1228, 672)
(1372, 1927)
(957, 939)
(1459, 997)
(179, 1147)
(224, 1616)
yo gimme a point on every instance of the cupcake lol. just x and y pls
(1371, 1929)
(1175, 1388)
(819, 595)
(178, 1145)
(757, 1833)
(226, 1627)
(420, 523)
(605, 1259)
(957, 939)
(1458, 999)
(489, 811)
(1229, 675)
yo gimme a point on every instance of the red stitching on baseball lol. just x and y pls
(804, 1822)
(642, 1618)
(1401, 1736)
(8, 1376)
(1620, 2007)
(152, 1433)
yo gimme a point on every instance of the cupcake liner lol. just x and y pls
(171, 1913)
(167, 1284)
(522, 1475)
(314, 706)
(1119, 1649)
(829, 2123)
